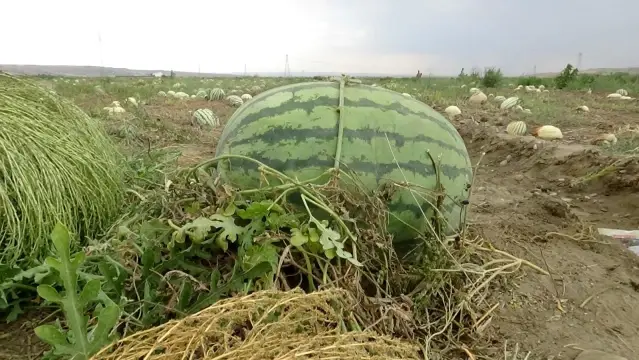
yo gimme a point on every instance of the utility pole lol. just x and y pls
(101, 55)
(579, 57)
(244, 69)
(534, 70)
(287, 68)
(199, 69)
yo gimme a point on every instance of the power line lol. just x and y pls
(101, 55)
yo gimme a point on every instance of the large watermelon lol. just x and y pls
(294, 129)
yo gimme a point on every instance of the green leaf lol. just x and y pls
(51, 335)
(298, 238)
(53, 263)
(278, 221)
(107, 320)
(354, 261)
(199, 228)
(313, 236)
(230, 231)
(77, 259)
(222, 243)
(259, 209)
(36, 273)
(178, 236)
(48, 293)
(329, 253)
(90, 291)
(259, 254)
(193, 208)
(61, 239)
(229, 210)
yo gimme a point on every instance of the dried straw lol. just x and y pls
(263, 325)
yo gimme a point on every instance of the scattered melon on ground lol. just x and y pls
(517, 128)
(452, 111)
(548, 132)
(215, 94)
(509, 103)
(234, 100)
(205, 117)
(478, 98)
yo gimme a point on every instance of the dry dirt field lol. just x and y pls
(538, 200)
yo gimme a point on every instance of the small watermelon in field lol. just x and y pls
(517, 128)
(294, 129)
(205, 117)
(215, 94)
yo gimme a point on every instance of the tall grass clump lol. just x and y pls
(56, 164)
(492, 77)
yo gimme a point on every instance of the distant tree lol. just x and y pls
(566, 76)
(492, 77)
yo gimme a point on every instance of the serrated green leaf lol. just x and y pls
(90, 291)
(259, 254)
(277, 221)
(36, 273)
(48, 293)
(298, 239)
(199, 228)
(51, 335)
(107, 320)
(230, 231)
(259, 209)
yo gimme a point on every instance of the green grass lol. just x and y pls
(57, 165)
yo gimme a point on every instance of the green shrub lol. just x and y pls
(566, 76)
(530, 80)
(492, 77)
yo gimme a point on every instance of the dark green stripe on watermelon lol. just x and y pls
(308, 105)
(379, 170)
(294, 129)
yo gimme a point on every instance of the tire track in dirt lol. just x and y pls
(529, 199)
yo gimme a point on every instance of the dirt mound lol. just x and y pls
(539, 200)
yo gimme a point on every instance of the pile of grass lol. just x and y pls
(57, 164)
(264, 325)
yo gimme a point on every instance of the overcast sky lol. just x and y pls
(374, 36)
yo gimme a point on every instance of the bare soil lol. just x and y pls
(523, 202)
